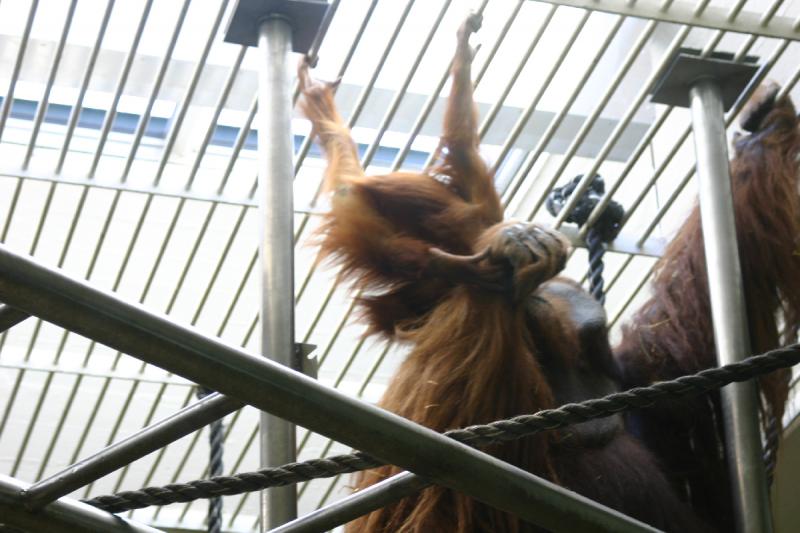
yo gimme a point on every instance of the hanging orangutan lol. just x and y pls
(493, 333)
(672, 333)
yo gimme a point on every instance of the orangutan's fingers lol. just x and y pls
(557, 248)
(465, 268)
(308, 85)
(470, 25)
(545, 245)
(303, 77)
(547, 251)
(447, 258)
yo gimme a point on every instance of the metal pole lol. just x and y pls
(739, 401)
(62, 516)
(149, 439)
(107, 319)
(357, 504)
(275, 149)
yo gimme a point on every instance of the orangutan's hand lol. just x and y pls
(470, 25)
(516, 255)
(310, 86)
(534, 253)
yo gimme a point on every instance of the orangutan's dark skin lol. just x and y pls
(493, 332)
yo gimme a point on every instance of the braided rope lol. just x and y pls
(771, 445)
(597, 250)
(478, 435)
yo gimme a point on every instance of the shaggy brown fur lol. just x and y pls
(672, 333)
(493, 333)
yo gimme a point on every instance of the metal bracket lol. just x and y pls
(305, 17)
(308, 365)
(687, 67)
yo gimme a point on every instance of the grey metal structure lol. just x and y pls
(709, 86)
(105, 318)
(740, 402)
(63, 516)
(128, 159)
(280, 27)
(277, 310)
(357, 504)
(149, 439)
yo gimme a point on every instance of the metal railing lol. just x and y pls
(101, 316)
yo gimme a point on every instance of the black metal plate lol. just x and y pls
(687, 68)
(305, 17)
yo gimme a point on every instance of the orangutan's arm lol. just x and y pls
(468, 173)
(362, 237)
(374, 223)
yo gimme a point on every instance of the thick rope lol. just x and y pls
(478, 435)
(216, 436)
(597, 249)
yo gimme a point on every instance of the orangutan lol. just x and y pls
(492, 332)
(672, 333)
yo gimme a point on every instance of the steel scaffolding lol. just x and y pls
(99, 149)
(76, 306)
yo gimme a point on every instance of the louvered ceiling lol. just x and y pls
(127, 158)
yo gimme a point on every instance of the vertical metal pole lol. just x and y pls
(275, 149)
(739, 401)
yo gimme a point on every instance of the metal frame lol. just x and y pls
(62, 516)
(770, 23)
(709, 85)
(277, 28)
(105, 318)
(187, 420)
(275, 150)
(740, 402)
(698, 14)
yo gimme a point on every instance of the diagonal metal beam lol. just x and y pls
(359, 503)
(712, 17)
(63, 516)
(141, 443)
(10, 317)
(77, 306)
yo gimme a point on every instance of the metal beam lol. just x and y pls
(63, 516)
(651, 247)
(77, 306)
(141, 443)
(81, 372)
(712, 17)
(623, 244)
(10, 317)
(357, 504)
